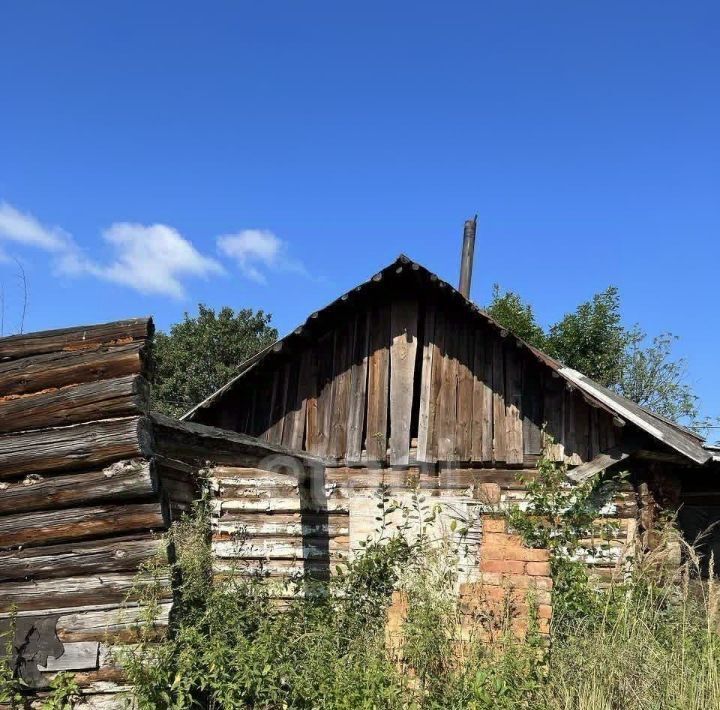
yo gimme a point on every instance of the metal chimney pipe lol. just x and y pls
(466, 259)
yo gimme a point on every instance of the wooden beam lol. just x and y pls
(55, 526)
(584, 472)
(115, 554)
(426, 416)
(74, 339)
(76, 446)
(199, 443)
(378, 385)
(105, 399)
(403, 319)
(358, 388)
(55, 370)
(93, 589)
(123, 480)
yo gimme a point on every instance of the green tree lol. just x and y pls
(593, 340)
(203, 352)
(651, 378)
(508, 309)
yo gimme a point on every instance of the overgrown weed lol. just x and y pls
(648, 642)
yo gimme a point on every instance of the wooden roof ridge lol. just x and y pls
(625, 410)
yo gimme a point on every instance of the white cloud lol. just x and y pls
(149, 258)
(257, 251)
(23, 228)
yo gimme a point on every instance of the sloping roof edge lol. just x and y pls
(671, 434)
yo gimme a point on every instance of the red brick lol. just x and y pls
(544, 611)
(531, 554)
(522, 581)
(503, 566)
(538, 569)
(494, 525)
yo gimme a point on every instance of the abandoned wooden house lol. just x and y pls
(402, 381)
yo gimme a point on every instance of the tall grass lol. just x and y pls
(654, 645)
(651, 642)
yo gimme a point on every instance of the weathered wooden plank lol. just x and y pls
(482, 439)
(600, 463)
(116, 554)
(105, 399)
(554, 416)
(403, 349)
(291, 421)
(311, 413)
(73, 339)
(436, 387)
(285, 505)
(294, 432)
(363, 480)
(199, 444)
(344, 345)
(532, 408)
(273, 410)
(569, 439)
(45, 527)
(499, 409)
(463, 425)
(513, 402)
(278, 406)
(123, 480)
(358, 388)
(67, 592)
(119, 624)
(228, 477)
(296, 525)
(582, 430)
(278, 548)
(378, 385)
(326, 358)
(75, 446)
(426, 415)
(594, 433)
(179, 491)
(76, 656)
(262, 403)
(446, 415)
(283, 568)
(53, 370)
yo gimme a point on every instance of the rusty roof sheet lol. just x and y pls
(677, 437)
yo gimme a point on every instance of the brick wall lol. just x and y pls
(514, 585)
(514, 581)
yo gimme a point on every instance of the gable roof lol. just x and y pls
(677, 437)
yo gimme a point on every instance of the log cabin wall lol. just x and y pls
(283, 518)
(403, 374)
(89, 481)
(81, 500)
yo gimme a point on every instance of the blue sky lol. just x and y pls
(272, 155)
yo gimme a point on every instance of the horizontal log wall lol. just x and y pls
(300, 521)
(82, 500)
(406, 378)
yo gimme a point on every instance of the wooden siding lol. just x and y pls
(410, 378)
(298, 520)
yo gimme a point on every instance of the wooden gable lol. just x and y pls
(405, 372)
